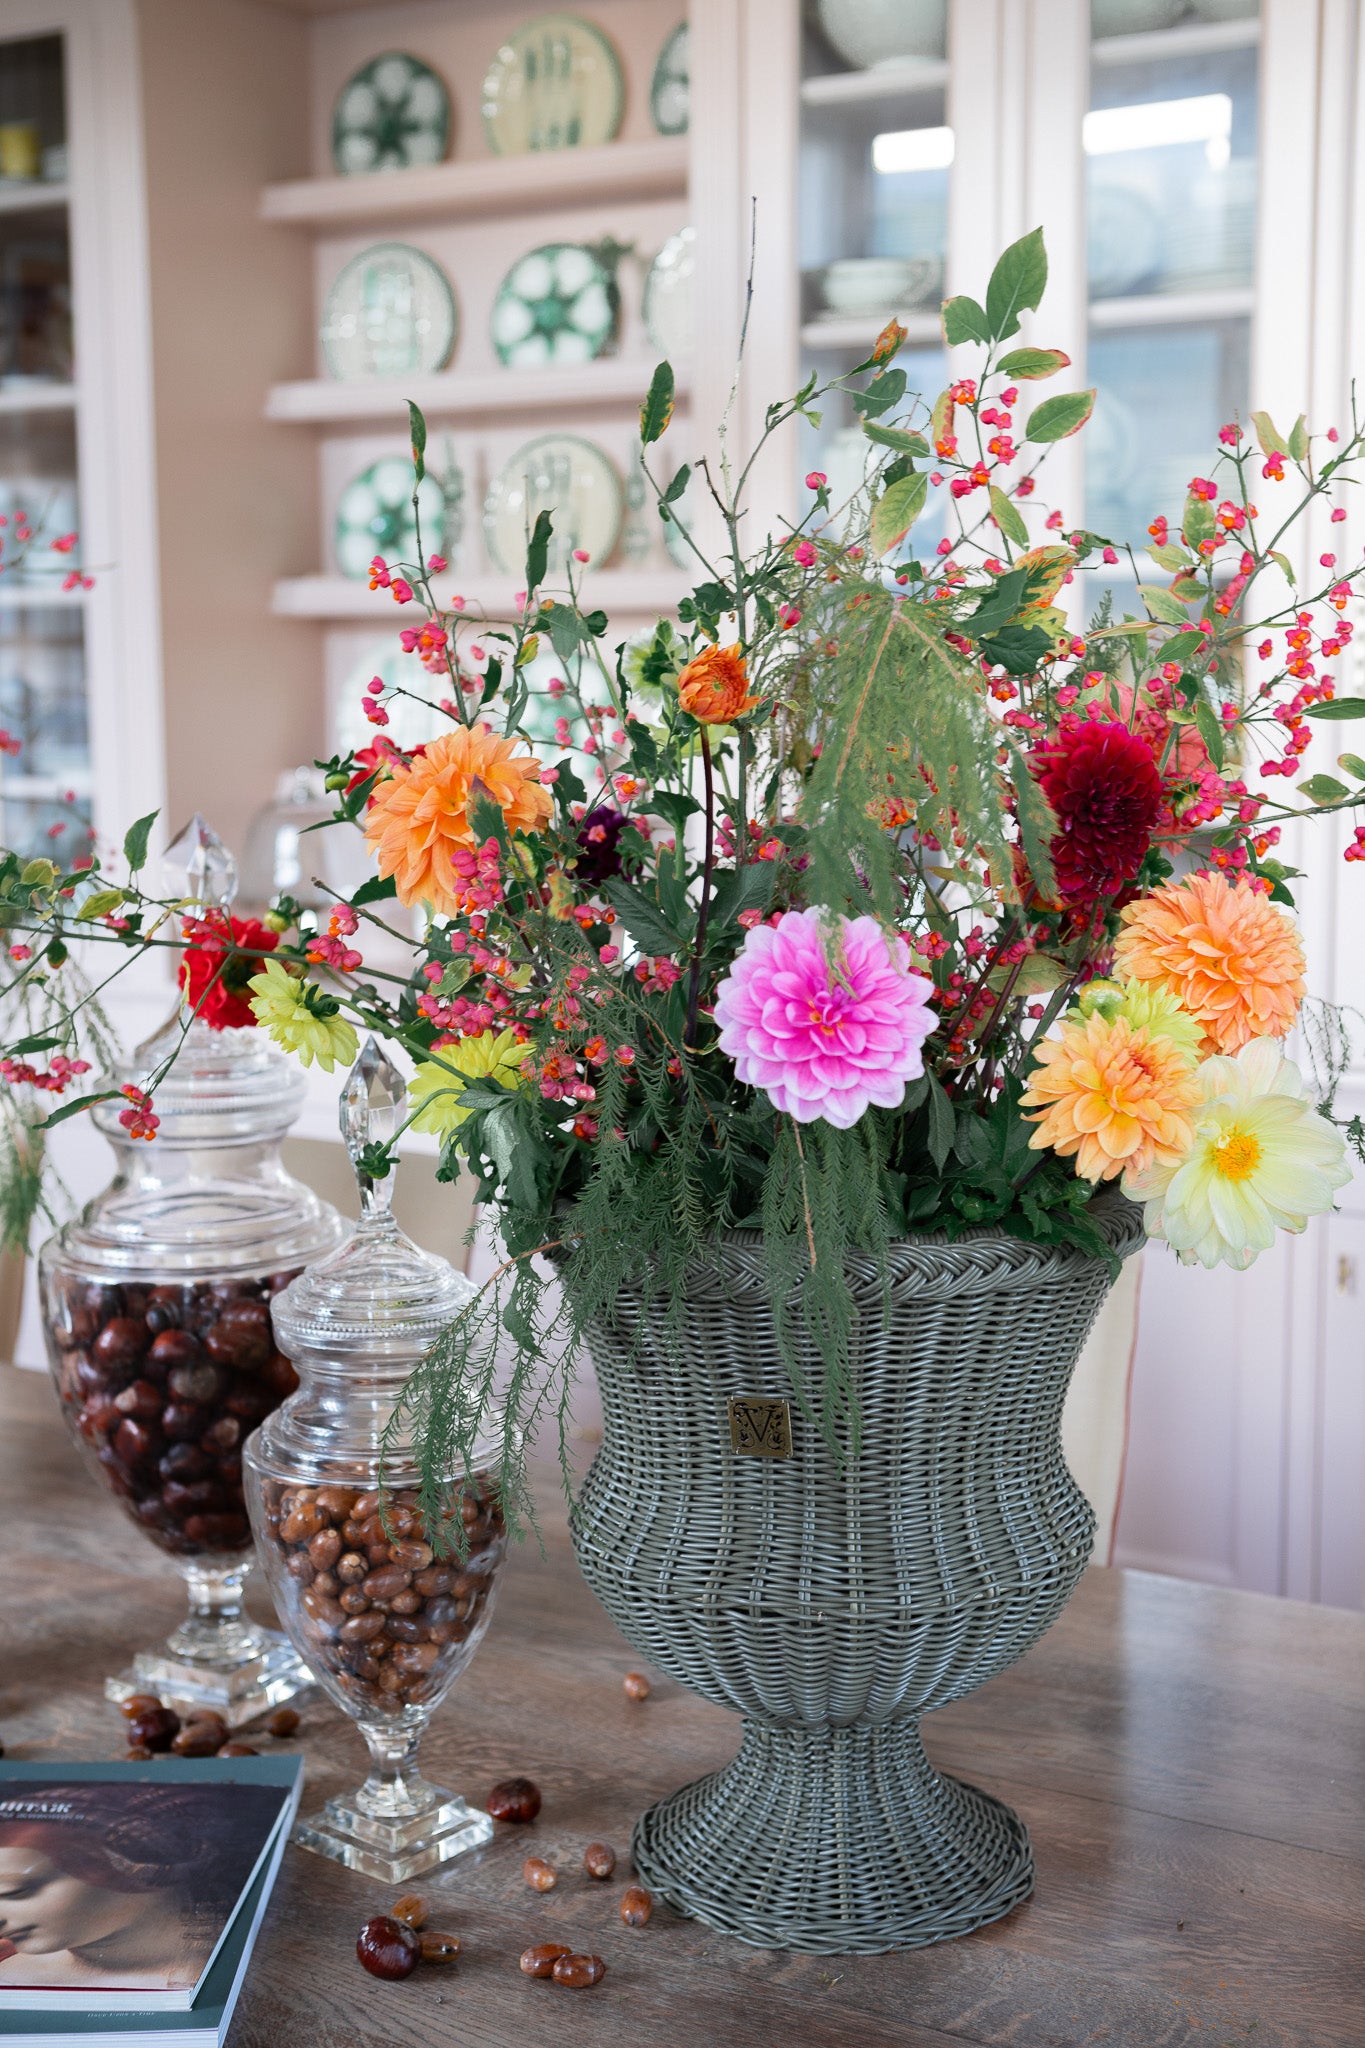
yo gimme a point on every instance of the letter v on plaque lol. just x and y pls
(760, 1428)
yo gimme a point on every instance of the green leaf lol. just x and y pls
(1018, 280)
(1298, 439)
(999, 605)
(100, 902)
(486, 818)
(59, 1116)
(1008, 517)
(417, 428)
(1323, 789)
(896, 437)
(682, 477)
(1353, 765)
(378, 889)
(896, 511)
(1017, 648)
(1182, 644)
(1337, 707)
(26, 1046)
(1169, 557)
(885, 390)
(964, 320)
(1210, 730)
(942, 1123)
(746, 888)
(564, 631)
(538, 550)
(1197, 521)
(135, 841)
(1057, 418)
(642, 919)
(657, 410)
(1163, 605)
(1032, 363)
(675, 805)
(1271, 441)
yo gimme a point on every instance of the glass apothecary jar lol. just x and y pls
(384, 1622)
(156, 1307)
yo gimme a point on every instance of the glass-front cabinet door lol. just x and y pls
(1170, 167)
(45, 777)
(876, 156)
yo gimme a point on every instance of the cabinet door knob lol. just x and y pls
(1346, 1274)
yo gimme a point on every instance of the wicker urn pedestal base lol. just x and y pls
(832, 1603)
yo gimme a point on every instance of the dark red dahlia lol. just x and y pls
(597, 835)
(1105, 789)
(223, 999)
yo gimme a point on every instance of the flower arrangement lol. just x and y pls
(902, 902)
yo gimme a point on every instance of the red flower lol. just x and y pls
(214, 980)
(1105, 789)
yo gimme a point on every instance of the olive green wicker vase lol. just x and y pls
(831, 1607)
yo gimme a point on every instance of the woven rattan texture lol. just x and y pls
(832, 1605)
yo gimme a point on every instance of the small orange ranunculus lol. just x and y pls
(714, 686)
(419, 814)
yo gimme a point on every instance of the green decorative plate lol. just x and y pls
(559, 304)
(393, 114)
(571, 479)
(670, 92)
(374, 516)
(390, 313)
(554, 84)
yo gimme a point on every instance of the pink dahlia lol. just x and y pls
(824, 1036)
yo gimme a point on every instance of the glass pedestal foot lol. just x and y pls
(395, 1849)
(218, 1657)
(240, 1693)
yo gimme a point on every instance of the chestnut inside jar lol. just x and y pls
(161, 1385)
(380, 1619)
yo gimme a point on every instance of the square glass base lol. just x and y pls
(395, 1850)
(239, 1692)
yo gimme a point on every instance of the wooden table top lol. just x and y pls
(1190, 1762)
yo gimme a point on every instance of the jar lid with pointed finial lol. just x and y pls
(209, 1195)
(358, 1323)
(380, 1295)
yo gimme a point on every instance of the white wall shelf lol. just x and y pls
(37, 397)
(861, 330)
(615, 172)
(886, 82)
(1170, 309)
(34, 198)
(623, 593)
(449, 396)
(1186, 39)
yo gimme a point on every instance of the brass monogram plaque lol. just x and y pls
(760, 1428)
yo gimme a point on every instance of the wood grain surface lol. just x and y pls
(1190, 1761)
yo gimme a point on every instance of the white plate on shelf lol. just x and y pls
(568, 477)
(389, 313)
(669, 314)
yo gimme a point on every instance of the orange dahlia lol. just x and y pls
(1118, 1098)
(419, 815)
(714, 685)
(1224, 950)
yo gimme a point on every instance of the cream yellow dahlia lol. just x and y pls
(1262, 1160)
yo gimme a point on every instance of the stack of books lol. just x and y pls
(131, 1895)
